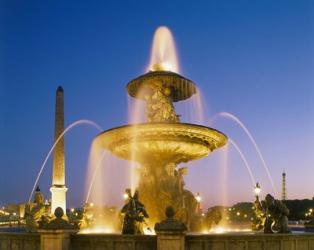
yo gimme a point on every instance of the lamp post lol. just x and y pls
(257, 190)
(125, 196)
(198, 199)
(257, 222)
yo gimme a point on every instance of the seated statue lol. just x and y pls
(34, 213)
(134, 215)
(276, 216)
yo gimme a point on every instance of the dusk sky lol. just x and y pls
(254, 59)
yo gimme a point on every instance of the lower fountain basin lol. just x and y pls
(161, 142)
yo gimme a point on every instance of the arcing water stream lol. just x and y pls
(72, 125)
(248, 133)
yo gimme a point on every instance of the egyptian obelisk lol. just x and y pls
(58, 188)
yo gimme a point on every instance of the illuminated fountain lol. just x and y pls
(160, 144)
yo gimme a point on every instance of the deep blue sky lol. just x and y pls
(251, 58)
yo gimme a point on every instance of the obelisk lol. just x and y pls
(58, 188)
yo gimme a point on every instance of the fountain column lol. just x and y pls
(58, 188)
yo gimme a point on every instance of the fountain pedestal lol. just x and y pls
(56, 239)
(170, 232)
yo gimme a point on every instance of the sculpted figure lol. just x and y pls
(58, 222)
(134, 215)
(33, 214)
(276, 216)
(180, 178)
(259, 220)
(159, 107)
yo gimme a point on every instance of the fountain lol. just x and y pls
(156, 148)
(160, 144)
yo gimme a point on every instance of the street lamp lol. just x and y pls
(198, 198)
(125, 196)
(257, 189)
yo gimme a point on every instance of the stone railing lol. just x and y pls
(19, 241)
(261, 241)
(165, 240)
(113, 242)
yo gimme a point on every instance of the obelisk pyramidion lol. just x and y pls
(58, 188)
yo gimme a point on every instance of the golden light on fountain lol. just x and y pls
(97, 230)
(221, 230)
(163, 54)
(162, 142)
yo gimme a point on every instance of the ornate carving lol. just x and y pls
(274, 214)
(170, 142)
(159, 107)
(162, 186)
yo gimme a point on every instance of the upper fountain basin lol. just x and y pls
(161, 142)
(180, 87)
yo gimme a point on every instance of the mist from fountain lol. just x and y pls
(72, 125)
(248, 133)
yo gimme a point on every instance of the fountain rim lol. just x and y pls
(161, 123)
(196, 141)
(177, 82)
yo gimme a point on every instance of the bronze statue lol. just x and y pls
(274, 215)
(134, 215)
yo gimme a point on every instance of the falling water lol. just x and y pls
(192, 109)
(72, 125)
(163, 57)
(101, 174)
(238, 121)
(163, 53)
(223, 180)
(136, 112)
(224, 174)
(244, 160)
(94, 173)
